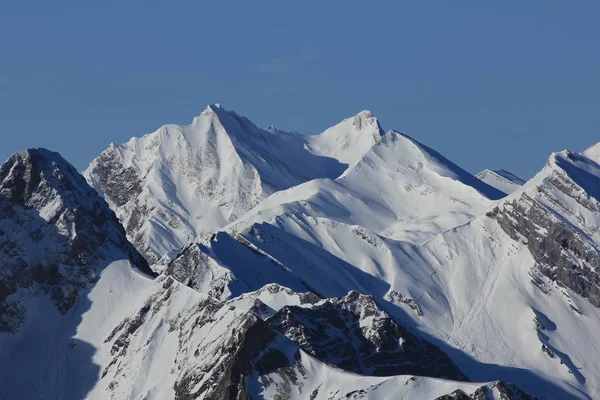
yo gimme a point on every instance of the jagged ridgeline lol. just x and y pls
(220, 260)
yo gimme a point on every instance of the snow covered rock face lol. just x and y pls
(558, 218)
(56, 233)
(354, 334)
(201, 348)
(229, 266)
(181, 183)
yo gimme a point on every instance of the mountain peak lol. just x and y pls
(593, 153)
(27, 171)
(349, 140)
(213, 107)
(365, 120)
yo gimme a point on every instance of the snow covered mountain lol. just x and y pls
(501, 179)
(355, 264)
(181, 183)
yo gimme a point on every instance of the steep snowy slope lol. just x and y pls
(501, 180)
(59, 240)
(181, 183)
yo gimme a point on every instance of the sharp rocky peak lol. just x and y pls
(56, 234)
(38, 170)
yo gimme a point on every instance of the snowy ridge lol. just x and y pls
(400, 189)
(501, 180)
(215, 350)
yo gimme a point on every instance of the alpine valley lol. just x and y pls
(220, 260)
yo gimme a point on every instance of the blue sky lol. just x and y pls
(489, 84)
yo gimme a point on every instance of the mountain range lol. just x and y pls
(220, 260)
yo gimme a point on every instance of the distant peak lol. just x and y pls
(365, 114)
(38, 154)
(366, 119)
(215, 110)
(213, 107)
(593, 153)
(273, 129)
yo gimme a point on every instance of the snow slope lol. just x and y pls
(54, 356)
(501, 179)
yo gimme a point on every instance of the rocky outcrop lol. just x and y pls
(556, 220)
(494, 390)
(354, 334)
(561, 252)
(196, 269)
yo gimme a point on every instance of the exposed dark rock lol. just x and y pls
(119, 184)
(61, 233)
(562, 253)
(248, 352)
(195, 268)
(456, 395)
(486, 392)
(354, 334)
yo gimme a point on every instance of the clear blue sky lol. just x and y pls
(496, 84)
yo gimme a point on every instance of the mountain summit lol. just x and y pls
(220, 260)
